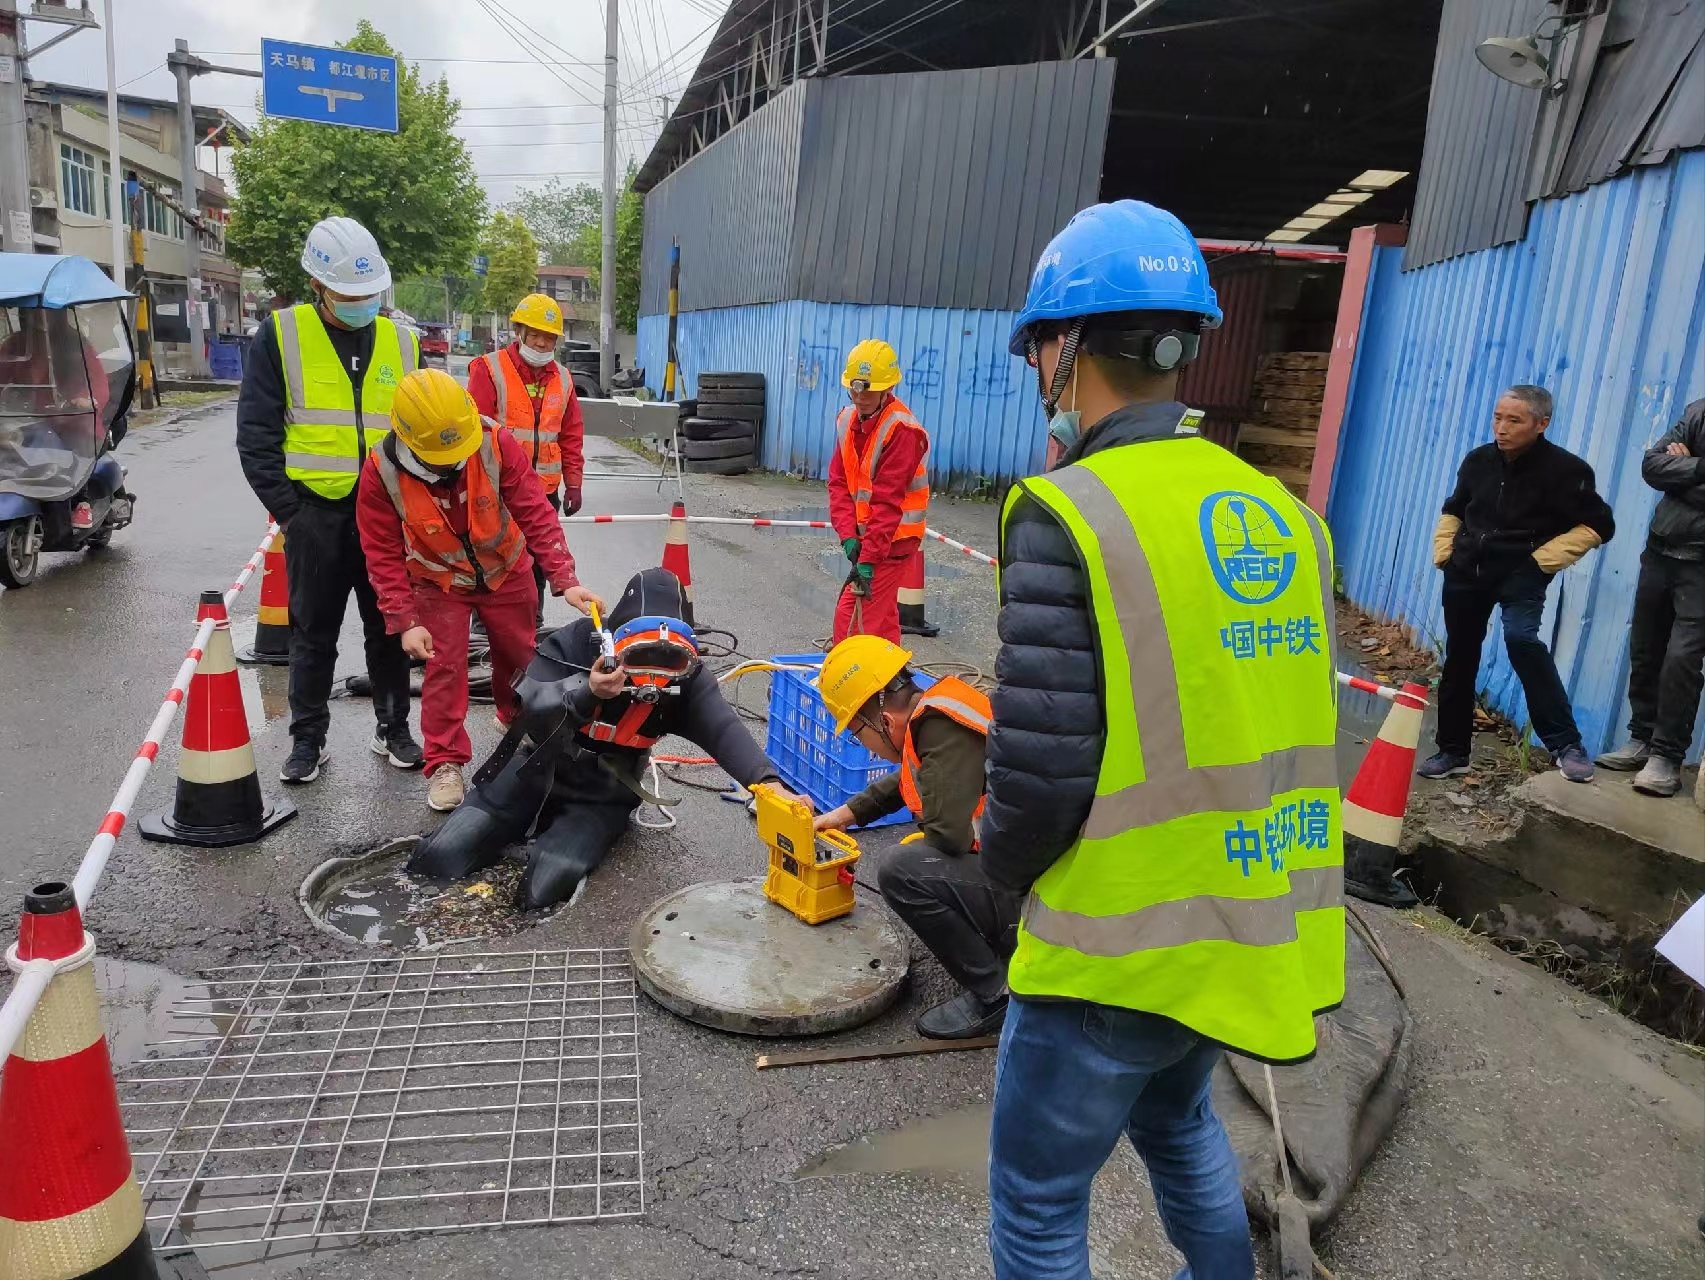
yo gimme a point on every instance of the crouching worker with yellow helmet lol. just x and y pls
(936, 885)
(451, 522)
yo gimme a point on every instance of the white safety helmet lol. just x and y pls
(343, 255)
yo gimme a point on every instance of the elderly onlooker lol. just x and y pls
(1523, 510)
(1666, 650)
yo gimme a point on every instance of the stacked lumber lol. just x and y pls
(1277, 434)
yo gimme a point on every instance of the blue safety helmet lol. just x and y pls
(1123, 256)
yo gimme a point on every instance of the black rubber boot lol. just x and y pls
(470, 840)
(965, 1016)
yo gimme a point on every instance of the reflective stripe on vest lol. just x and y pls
(536, 424)
(434, 552)
(326, 439)
(1207, 883)
(626, 731)
(962, 703)
(860, 471)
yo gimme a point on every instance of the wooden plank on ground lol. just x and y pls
(862, 1053)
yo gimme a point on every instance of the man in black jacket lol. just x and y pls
(1522, 511)
(580, 767)
(302, 451)
(1666, 650)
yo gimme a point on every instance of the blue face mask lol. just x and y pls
(357, 315)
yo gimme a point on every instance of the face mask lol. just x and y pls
(357, 315)
(1063, 432)
(413, 465)
(537, 359)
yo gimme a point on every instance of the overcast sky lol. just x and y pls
(518, 117)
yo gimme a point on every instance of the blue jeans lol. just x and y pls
(1069, 1079)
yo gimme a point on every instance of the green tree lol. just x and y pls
(423, 297)
(630, 242)
(556, 213)
(512, 262)
(415, 189)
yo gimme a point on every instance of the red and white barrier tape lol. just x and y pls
(21, 1002)
(960, 546)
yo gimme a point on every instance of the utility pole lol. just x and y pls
(185, 66)
(115, 170)
(16, 232)
(190, 195)
(607, 273)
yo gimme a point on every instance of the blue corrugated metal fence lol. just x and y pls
(1603, 302)
(978, 403)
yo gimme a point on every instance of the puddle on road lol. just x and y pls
(955, 1145)
(137, 1002)
(368, 898)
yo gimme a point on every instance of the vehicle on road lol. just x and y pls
(435, 343)
(67, 373)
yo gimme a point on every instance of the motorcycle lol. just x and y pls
(67, 374)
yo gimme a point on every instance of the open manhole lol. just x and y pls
(370, 898)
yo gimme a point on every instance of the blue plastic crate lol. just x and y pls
(829, 767)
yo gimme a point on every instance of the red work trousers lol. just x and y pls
(507, 614)
(876, 614)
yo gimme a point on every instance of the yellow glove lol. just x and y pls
(1566, 548)
(1444, 538)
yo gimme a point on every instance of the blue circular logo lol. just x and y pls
(1248, 546)
(363, 265)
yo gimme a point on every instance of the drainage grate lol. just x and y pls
(421, 1093)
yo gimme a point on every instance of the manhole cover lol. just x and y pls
(369, 898)
(393, 1094)
(723, 955)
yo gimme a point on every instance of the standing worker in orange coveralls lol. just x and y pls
(878, 491)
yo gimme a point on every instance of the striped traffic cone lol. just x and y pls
(69, 1204)
(1373, 809)
(912, 620)
(219, 801)
(272, 629)
(675, 553)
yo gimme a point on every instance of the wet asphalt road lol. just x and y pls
(1546, 1137)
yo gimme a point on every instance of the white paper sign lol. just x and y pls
(21, 233)
(168, 308)
(1684, 944)
(8, 68)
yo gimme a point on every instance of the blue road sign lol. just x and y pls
(481, 264)
(329, 86)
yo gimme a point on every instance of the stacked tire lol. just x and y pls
(721, 436)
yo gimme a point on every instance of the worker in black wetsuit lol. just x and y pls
(576, 759)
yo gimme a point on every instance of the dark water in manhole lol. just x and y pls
(370, 898)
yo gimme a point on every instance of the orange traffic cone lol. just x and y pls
(912, 620)
(675, 553)
(219, 801)
(1373, 809)
(272, 630)
(69, 1204)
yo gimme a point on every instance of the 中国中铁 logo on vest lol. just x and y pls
(1248, 544)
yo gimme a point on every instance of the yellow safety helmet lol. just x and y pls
(435, 418)
(874, 363)
(855, 671)
(538, 311)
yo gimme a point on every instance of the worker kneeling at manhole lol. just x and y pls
(935, 884)
(593, 703)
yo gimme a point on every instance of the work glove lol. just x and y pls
(850, 546)
(859, 581)
(570, 499)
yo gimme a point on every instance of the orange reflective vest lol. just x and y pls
(532, 411)
(958, 701)
(914, 507)
(433, 551)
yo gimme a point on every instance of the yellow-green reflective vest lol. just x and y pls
(325, 438)
(1207, 884)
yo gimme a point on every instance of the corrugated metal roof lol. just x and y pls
(978, 403)
(933, 189)
(1646, 97)
(732, 208)
(1470, 194)
(939, 189)
(1604, 303)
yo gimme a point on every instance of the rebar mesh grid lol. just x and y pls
(407, 1094)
